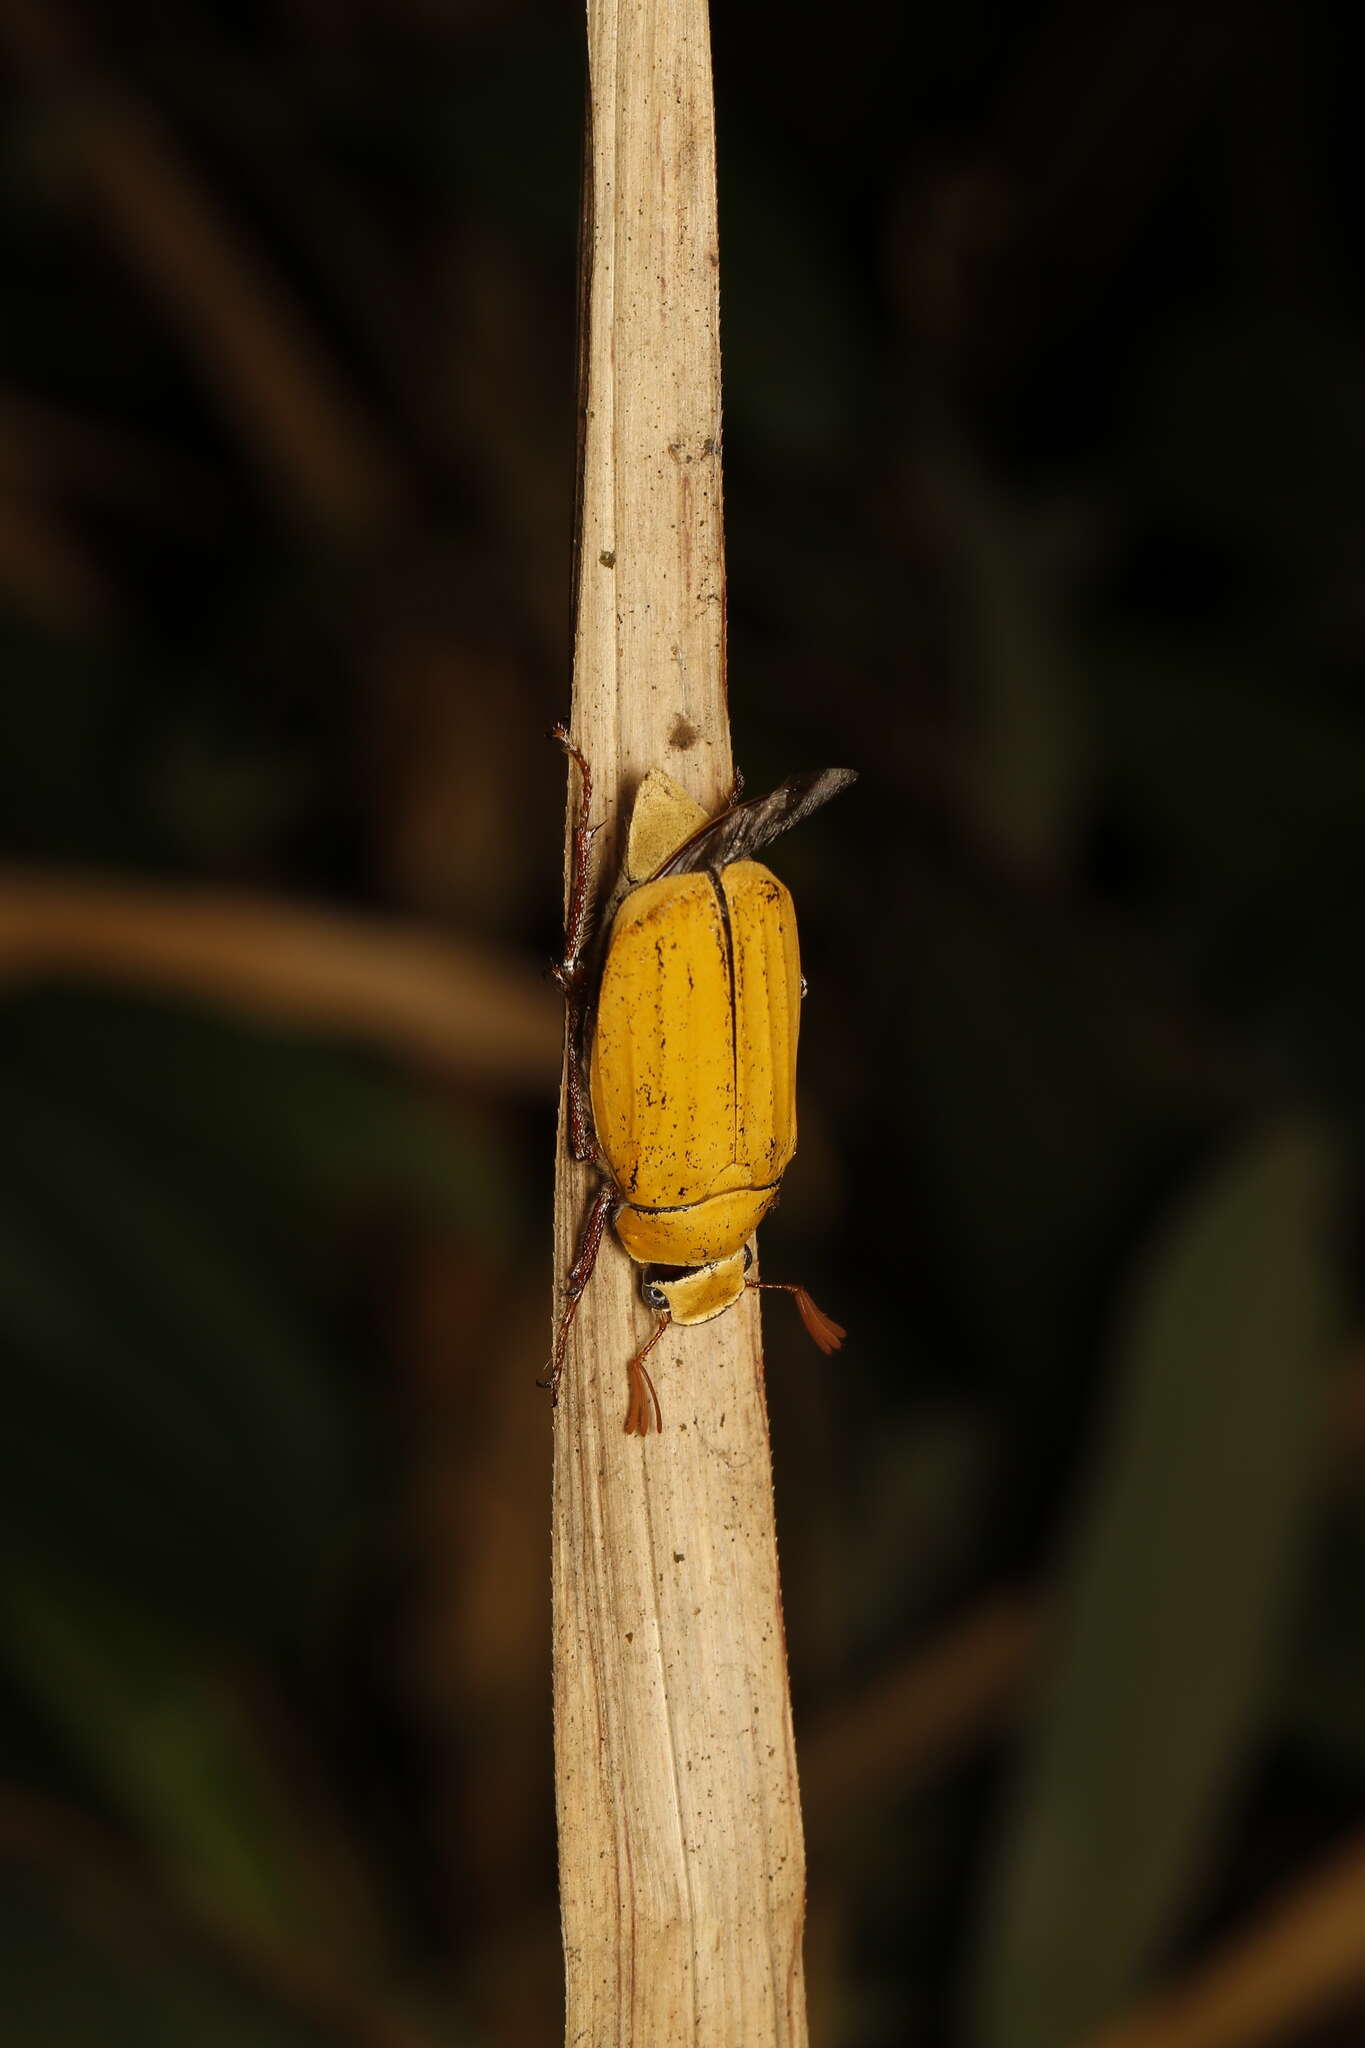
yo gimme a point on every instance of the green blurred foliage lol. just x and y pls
(1173, 1616)
(68, 1981)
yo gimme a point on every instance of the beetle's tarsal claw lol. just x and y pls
(822, 1329)
(550, 1383)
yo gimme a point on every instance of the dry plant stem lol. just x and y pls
(681, 1859)
(461, 1009)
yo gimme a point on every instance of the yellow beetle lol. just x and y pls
(690, 1044)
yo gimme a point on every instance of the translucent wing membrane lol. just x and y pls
(740, 833)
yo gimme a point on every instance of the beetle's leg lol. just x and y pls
(568, 972)
(582, 1136)
(823, 1329)
(600, 1214)
(580, 874)
(642, 1395)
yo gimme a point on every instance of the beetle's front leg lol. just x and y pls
(605, 1203)
(582, 1136)
(569, 971)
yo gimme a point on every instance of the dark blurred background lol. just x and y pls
(1045, 416)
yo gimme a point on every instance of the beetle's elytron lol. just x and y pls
(688, 1030)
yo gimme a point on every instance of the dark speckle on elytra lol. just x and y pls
(684, 734)
(678, 1556)
(608, 558)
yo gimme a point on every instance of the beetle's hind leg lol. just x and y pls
(569, 972)
(604, 1205)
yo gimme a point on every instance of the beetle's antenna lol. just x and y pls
(638, 1413)
(822, 1329)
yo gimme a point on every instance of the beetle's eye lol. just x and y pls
(653, 1294)
(748, 1256)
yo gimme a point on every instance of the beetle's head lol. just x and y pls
(694, 1294)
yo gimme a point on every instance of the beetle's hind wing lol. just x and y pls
(741, 832)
